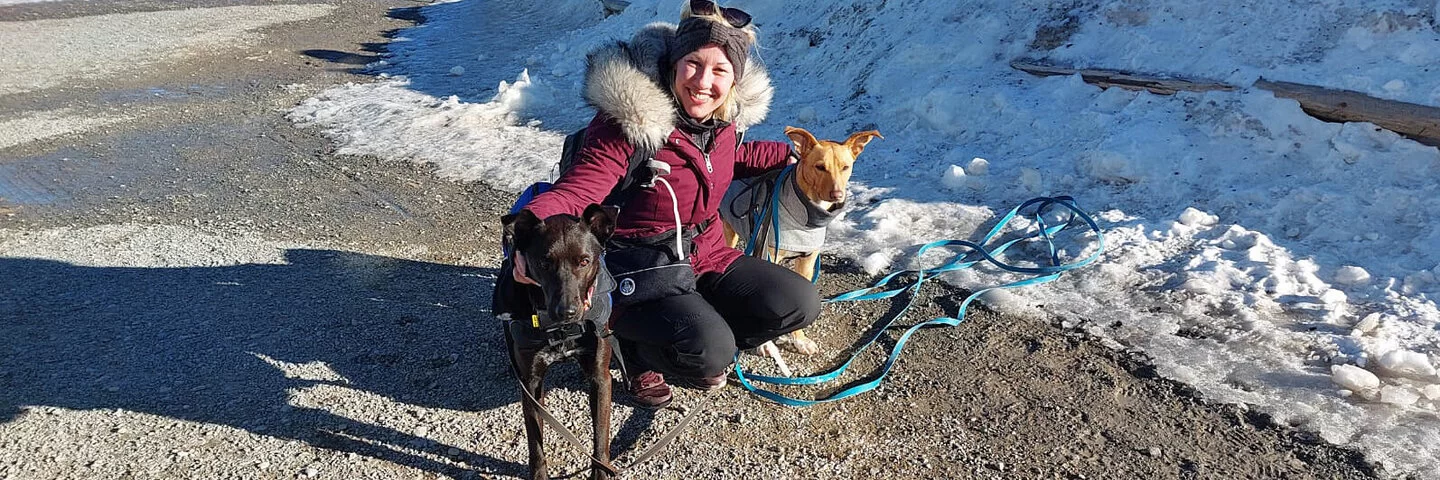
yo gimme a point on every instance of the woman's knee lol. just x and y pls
(809, 308)
(795, 302)
(681, 336)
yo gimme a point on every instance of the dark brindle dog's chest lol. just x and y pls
(529, 329)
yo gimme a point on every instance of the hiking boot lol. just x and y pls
(701, 383)
(649, 390)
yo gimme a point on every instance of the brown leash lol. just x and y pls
(570, 436)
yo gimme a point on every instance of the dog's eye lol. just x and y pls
(820, 167)
(584, 262)
(845, 168)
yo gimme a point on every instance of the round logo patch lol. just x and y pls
(627, 286)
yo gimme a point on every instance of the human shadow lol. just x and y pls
(361, 63)
(234, 345)
(337, 56)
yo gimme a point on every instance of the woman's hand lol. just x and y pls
(519, 271)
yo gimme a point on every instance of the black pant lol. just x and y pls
(698, 334)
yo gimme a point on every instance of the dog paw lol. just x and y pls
(800, 344)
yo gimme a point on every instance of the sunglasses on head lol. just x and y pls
(735, 17)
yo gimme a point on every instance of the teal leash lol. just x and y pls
(774, 212)
(1045, 273)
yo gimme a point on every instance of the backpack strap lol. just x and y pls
(637, 176)
(640, 173)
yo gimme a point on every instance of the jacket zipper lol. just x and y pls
(709, 167)
(707, 184)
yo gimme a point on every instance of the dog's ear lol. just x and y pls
(857, 140)
(601, 219)
(507, 232)
(804, 141)
(519, 228)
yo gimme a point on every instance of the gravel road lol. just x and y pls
(192, 287)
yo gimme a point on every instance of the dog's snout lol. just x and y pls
(570, 312)
(837, 195)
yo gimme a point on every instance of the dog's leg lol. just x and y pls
(598, 371)
(533, 370)
(805, 267)
(732, 238)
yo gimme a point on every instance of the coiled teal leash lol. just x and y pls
(1045, 273)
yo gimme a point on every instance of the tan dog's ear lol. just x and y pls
(804, 141)
(857, 140)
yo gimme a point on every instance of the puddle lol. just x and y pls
(45, 180)
(164, 94)
(22, 185)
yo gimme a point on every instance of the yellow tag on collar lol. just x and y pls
(535, 321)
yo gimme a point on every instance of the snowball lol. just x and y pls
(1352, 275)
(875, 263)
(1195, 218)
(1354, 378)
(1407, 364)
(1432, 392)
(1395, 86)
(457, 70)
(978, 166)
(1332, 297)
(954, 177)
(1396, 395)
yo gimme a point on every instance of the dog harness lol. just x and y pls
(802, 222)
(543, 329)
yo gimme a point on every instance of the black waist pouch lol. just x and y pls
(649, 268)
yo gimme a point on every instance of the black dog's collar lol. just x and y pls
(595, 321)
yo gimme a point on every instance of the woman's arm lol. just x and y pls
(758, 157)
(599, 165)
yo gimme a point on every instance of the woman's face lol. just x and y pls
(702, 80)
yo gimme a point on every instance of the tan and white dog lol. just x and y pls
(809, 199)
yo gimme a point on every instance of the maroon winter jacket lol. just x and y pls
(622, 83)
(698, 189)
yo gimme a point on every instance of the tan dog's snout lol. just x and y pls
(825, 166)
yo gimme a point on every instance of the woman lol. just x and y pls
(684, 92)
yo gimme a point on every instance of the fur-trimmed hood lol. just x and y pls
(623, 81)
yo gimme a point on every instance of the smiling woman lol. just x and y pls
(684, 94)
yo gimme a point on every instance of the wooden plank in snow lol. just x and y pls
(1130, 81)
(1419, 122)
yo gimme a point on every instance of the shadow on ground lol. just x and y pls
(207, 344)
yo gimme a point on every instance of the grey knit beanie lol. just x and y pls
(696, 32)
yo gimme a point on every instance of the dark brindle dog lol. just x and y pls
(565, 317)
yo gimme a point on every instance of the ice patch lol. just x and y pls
(1409, 364)
(1354, 378)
